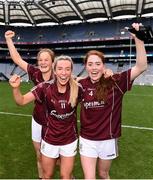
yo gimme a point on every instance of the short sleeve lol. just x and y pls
(38, 92)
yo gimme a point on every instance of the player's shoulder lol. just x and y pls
(49, 83)
(83, 79)
(52, 81)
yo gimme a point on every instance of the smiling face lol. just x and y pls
(94, 67)
(63, 70)
(45, 62)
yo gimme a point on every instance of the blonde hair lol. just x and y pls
(73, 83)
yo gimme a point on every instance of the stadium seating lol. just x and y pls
(75, 40)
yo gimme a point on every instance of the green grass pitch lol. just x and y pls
(135, 161)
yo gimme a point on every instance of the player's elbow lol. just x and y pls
(144, 68)
(19, 102)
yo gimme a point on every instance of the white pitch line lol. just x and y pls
(140, 95)
(138, 127)
(14, 114)
(124, 126)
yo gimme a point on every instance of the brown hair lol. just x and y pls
(104, 84)
(50, 52)
(94, 52)
(103, 87)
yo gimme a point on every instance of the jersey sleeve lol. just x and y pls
(38, 92)
(124, 82)
(32, 70)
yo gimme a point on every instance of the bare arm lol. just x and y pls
(13, 52)
(18, 97)
(141, 57)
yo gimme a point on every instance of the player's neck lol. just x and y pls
(46, 76)
(61, 88)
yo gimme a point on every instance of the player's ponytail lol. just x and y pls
(73, 91)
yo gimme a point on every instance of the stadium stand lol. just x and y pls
(108, 36)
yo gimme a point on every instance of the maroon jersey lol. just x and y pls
(61, 126)
(35, 75)
(102, 120)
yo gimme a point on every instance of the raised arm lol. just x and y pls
(141, 57)
(13, 52)
(18, 97)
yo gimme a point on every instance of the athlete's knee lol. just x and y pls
(47, 175)
(89, 174)
(64, 175)
(104, 174)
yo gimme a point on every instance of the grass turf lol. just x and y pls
(17, 157)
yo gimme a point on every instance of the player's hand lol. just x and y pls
(80, 78)
(136, 26)
(108, 73)
(9, 34)
(15, 81)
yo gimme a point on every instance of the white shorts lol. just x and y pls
(53, 151)
(36, 131)
(106, 149)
